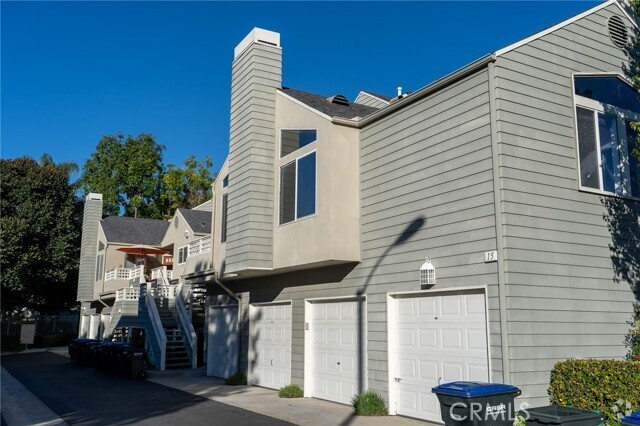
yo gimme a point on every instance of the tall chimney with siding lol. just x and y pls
(88, 251)
(256, 76)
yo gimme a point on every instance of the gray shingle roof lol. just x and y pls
(320, 103)
(383, 97)
(198, 220)
(120, 229)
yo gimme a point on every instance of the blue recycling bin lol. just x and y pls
(631, 420)
(477, 403)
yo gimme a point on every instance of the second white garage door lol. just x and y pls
(271, 334)
(436, 338)
(337, 359)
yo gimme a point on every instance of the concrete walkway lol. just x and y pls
(301, 411)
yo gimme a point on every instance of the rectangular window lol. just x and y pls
(99, 266)
(606, 139)
(223, 225)
(293, 140)
(298, 188)
(182, 254)
(225, 181)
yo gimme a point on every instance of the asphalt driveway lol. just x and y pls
(83, 396)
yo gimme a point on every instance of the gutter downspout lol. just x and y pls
(230, 293)
(500, 243)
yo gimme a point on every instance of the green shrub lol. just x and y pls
(237, 379)
(632, 340)
(593, 384)
(291, 391)
(369, 403)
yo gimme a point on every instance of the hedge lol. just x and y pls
(594, 384)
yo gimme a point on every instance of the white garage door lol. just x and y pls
(222, 346)
(271, 334)
(437, 339)
(335, 351)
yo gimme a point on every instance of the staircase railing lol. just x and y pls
(186, 328)
(156, 334)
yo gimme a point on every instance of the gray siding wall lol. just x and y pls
(257, 74)
(365, 99)
(88, 249)
(562, 296)
(428, 167)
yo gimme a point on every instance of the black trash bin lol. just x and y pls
(477, 403)
(84, 354)
(558, 415)
(631, 420)
(132, 363)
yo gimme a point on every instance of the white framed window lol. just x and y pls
(223, 219)
(99, 265)
(183, 253)
(292, 140)
(606, 105)
(298, 188)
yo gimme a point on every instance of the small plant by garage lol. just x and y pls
(291, 391)
(369, 403)
(238, 379)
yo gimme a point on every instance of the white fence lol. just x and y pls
(125, 273)
(156, 273)
(200, 246)
(128, 293)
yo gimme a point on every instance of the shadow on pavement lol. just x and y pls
(81, 395)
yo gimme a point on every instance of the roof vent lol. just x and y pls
(339, 100)
(618, 31)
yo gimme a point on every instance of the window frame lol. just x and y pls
(186, 254)
(100, 265)
(295, 202)
(282, 157)
(622, 151)
(224, 210)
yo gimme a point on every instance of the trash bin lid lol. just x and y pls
(473, 389)
(633, 418)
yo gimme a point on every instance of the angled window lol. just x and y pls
(293, 140)
(225, 181)
(605, 108)
(223, 225)
(298, 188)
(182, 254)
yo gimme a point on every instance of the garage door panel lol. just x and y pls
(438, 339)
(272, 345)
(335, 350)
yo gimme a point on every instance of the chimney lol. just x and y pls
(89, 247)
(256, 77)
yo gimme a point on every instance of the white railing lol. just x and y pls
(156, 273)
(156, 324)
(125, 273)
(128, 293)
(164, 291)
(200, 246)
(187, 330)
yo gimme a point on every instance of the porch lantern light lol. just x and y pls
(427, 273)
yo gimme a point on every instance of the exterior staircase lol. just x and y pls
(176, 355)
(197, 311)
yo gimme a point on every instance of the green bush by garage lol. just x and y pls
(594, 384)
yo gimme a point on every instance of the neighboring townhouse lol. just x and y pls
(512, 176)
(127, 262)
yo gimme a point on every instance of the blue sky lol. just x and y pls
(72, 72)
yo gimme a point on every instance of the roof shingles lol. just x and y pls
(320, 103)
(129, 230)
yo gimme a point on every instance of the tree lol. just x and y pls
(188, 186)
(40, 221)
(128, 174)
